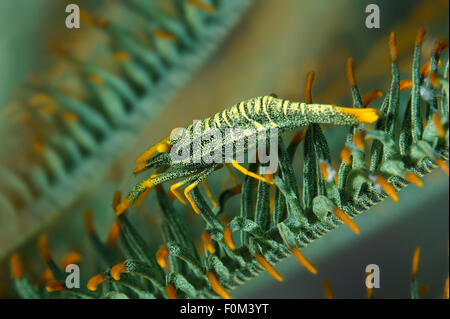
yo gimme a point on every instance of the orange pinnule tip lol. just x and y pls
(423, 290)
(95, 281)
(216, 286)
(206, 238)
(308, 85)
(161, 256)
(268, 267)
(97, 79)
(393, 46)
(271, 203)
(302, 259)
(362, 115)
(298, 137)
(164, 35)
(55, 286)
(324, 170)
(415, 262)
(425, 68)
(358, 140)
(122, 56)
(440, 46)
(442, 165)
(117, 269)
(46, 276)
(434, 80)
(414, 179)
(114, 233)
(71, 258)
(43, 247)
(345, 155)
(69, 116)
(388, 188)
(123, 206)
(438, 125)
(171, 291)
(88, 222)
(101, 22)
(228, 238)
(16, 266)
(116, 199)
(446, 289)
(269, 178)
(327, 289)
(420, 35)
(350, 72)
(203, 5)
(39, 99)
(369, 97)
(88, 18)
(369, 293)
(405, 85)
(347, 220)
(58, 49)
(38, 146)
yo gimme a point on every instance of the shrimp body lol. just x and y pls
(265, 112)
(254, 115)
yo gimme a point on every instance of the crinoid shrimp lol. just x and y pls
(256, 114)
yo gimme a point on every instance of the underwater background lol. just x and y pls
(270, 49)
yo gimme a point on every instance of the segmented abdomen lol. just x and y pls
(265, 112)
(258, 113)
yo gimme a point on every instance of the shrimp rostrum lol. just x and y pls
(256, 114)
